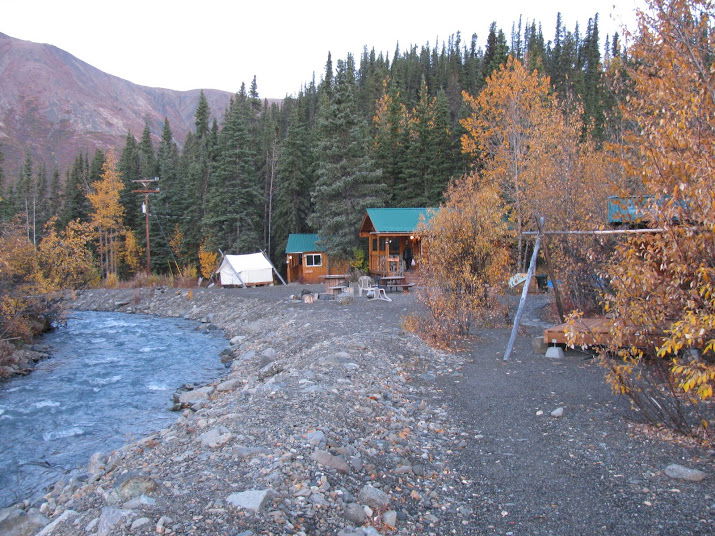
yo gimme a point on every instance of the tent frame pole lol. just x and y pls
(274, 268)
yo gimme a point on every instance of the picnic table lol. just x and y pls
(396, 282)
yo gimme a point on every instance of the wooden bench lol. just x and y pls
(404, 286)
(589, 332)
(337, 289)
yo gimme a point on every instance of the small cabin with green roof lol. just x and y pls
(394, 245)
(306, 262)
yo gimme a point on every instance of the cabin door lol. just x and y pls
(293, 268)
(394, 261)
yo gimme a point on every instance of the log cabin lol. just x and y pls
(394, 246)
(306, 262)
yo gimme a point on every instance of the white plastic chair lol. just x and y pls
(364, 284)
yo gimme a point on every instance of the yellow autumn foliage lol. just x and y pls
(464, 262)
(663, 299)
(208, 261)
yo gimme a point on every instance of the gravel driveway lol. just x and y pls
(586, 472)
(331, 420)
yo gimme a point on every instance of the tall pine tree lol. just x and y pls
(348, 182)
(232, 209)
(296, 174)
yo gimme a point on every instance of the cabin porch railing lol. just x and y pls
(386, 264)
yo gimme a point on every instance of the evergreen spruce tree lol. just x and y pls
(55, 194)
(41, 200)
(25, 196)
(268, 155)
(447, 160)
(201, 116)
(296, 174)
(328, 79)
(129, 168)
(348, 182)
(535, 54)
(418, 153)
(432, 156)
(593, 90)
(147, 157)
(232, 211)
(96, 167)
(6, 195)
(166, 205)
(76, 189)
(390, 125)
(472, 73)
(496, 51)
(196, 162)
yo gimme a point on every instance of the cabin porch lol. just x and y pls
(391, 255)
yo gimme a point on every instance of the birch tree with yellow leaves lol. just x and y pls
(107, 214)
(663, 300)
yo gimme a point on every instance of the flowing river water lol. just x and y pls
(109, 380)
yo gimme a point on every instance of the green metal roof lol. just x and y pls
(398, 220)
(300, 243)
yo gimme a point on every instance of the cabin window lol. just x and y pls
(314, 260)
(395, 246)
(382, 245)
(374, 244)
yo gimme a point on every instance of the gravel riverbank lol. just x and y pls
(331, 420)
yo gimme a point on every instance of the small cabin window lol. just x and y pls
(394, 246)
(314, 260)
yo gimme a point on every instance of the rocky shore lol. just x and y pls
(20, 361)
(324, 423)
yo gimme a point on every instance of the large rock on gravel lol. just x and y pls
(389, 518)
(360, 531)
(192, 398)
(216, 437)
(109, 519)
(228, 385)
(137, 523)
(252, 499)
(355, 513)
(49, 529)
(373, 497)
(238, 339)
(97, 464)
(338, 463)
(316, 438)
(135, 485)
(17, 522)
(684, 473)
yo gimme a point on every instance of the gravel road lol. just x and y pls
(331, 420)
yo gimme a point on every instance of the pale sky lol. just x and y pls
(191, 44)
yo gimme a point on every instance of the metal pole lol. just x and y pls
(598, 232)
(550, 271)
(522, 301)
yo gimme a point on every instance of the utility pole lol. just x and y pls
(146, 190)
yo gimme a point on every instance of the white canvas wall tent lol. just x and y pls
(245, 270)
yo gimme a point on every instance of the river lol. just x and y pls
(109, 380)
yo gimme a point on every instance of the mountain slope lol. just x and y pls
(53, 105)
